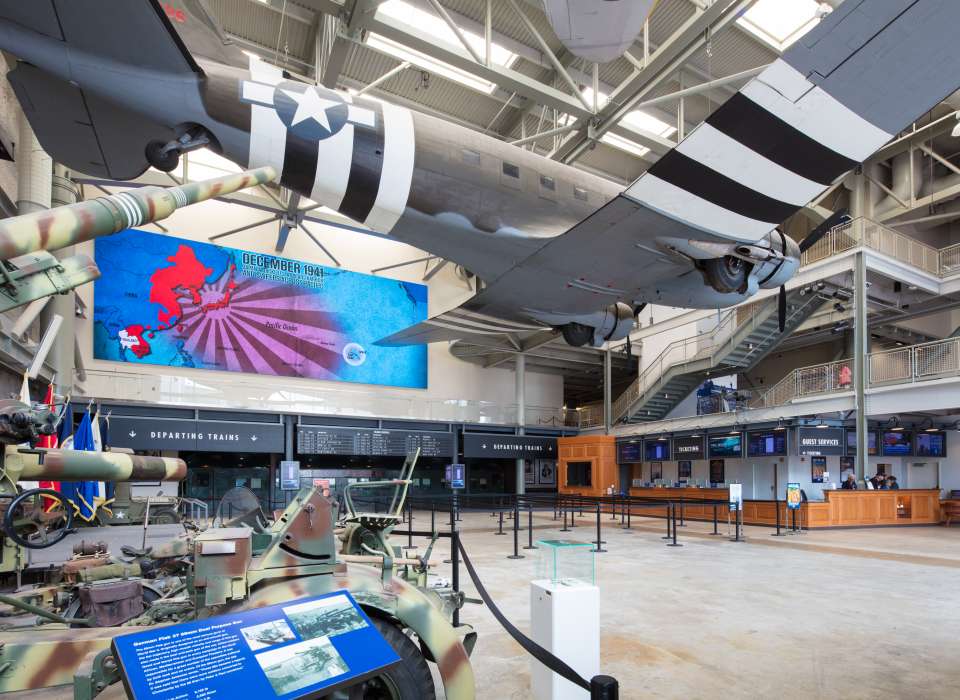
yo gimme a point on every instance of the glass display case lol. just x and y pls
(566, 562)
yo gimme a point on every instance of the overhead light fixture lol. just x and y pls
(839, 307)
(956, 130)
(432, 25)
(893, 424)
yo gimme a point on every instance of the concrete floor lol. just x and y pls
(831, 614)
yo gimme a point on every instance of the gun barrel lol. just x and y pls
(75, 223)
(78, 465)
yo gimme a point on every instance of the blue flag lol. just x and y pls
(83, 493)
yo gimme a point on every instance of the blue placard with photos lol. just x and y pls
(298, 649)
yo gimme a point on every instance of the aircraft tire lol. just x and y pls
(156, 157)
(727, 274)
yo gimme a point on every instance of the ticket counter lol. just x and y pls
(838, 509)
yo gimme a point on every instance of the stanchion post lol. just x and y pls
(530, 544)
(455, 560)
(674, 509)
(500, 531)
(668, 535)
(565, 528)
(516, 531)
(776, 506)
(715, 531)
(682, 524)
(599, 538)
(433, 516)
(604, 688)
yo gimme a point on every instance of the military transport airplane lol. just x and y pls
(111, 86)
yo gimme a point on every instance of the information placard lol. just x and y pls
(298, 649)
(793, 496)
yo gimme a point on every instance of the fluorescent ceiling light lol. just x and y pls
(433, 25)
(781, 22)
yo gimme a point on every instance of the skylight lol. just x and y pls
(431, 24)
(637, 119)
(781, 22)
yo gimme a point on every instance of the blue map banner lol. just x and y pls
(292, 650)
(163, 300)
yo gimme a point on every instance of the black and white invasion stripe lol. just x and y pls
(771, 149)
(364, 170)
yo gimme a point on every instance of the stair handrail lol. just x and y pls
(726, 327)
(628, 398)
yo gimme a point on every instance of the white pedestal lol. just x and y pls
(564, 620)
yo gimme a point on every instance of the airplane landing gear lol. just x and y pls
(577, 334)
(727, 274)
(166, 156)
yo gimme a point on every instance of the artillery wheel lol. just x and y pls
(409, 680)
(38, 518)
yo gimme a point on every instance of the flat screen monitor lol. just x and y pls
(726, 445)
(896, 443)
(656, 450)
(629, 452)
(931, 444)
(768, 443)
(871, 442)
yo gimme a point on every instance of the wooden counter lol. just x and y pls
(839, 509)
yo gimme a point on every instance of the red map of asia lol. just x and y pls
(250, 325)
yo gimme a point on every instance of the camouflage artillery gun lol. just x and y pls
(29, 272)
(246, 563)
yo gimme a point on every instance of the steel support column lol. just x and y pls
(520, 374)
(607, 390)
(861, 337)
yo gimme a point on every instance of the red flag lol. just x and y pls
(49, 441)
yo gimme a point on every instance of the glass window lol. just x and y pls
(511, 170)
(580, 194)
(548, 183)
(471, 157)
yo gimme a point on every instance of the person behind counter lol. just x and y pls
(878, 481)
(892, 483)
(850, 484)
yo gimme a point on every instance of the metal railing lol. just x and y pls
(865, 233)
(703, 346)
(908, 365)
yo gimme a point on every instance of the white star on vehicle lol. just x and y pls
(311, 105)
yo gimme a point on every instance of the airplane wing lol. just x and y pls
(71, 122)
(834, 98)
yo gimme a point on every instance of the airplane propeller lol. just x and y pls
(836, 219)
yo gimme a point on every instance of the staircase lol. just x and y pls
(744, 336)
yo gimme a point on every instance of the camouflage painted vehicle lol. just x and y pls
(35, 273)
(247, 563)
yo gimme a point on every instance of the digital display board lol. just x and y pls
(931, 444)
(319, 440)
(871, 442)
(628, 452)
(768, 443)
(688, 447)
(165, 300)
(656, 450)
(820, 440)
(725, 445)
(896, 443)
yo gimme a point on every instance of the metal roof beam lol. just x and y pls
(664, 62)
(506, 78)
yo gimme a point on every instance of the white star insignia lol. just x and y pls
(311, 105)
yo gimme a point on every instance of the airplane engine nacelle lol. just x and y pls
(774, 273)
(613, 323)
